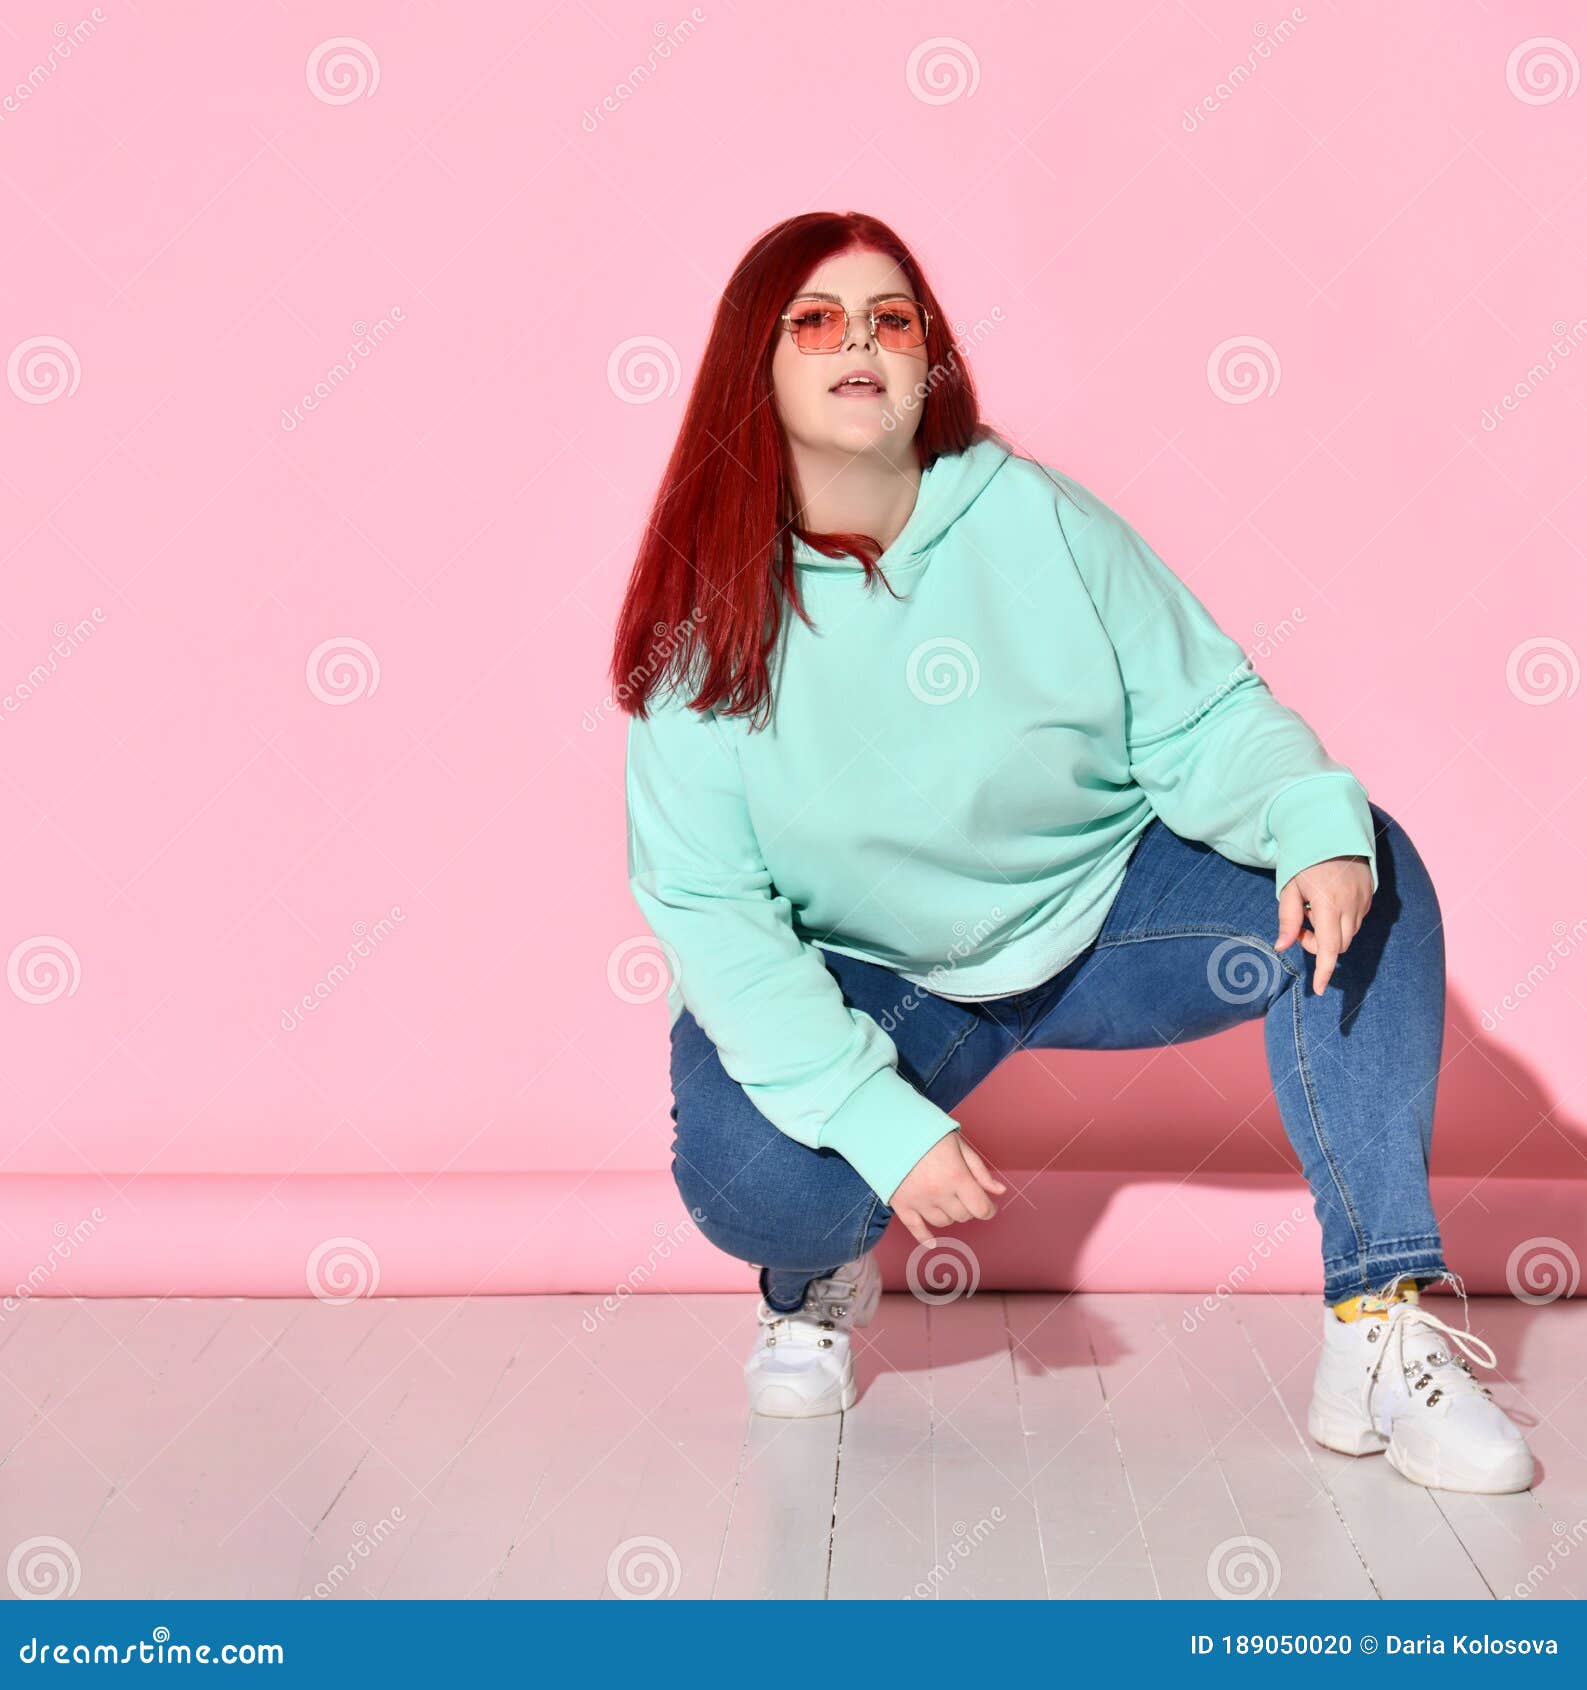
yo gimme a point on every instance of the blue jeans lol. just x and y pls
(1186, 951)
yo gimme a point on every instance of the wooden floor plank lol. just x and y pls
(1002, 1445)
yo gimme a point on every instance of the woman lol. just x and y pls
(931, 759)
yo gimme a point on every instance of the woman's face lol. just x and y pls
(857, 419)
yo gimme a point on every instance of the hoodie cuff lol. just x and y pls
(1319, 817)
(883, 1128)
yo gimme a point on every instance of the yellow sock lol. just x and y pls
(1366, 1303)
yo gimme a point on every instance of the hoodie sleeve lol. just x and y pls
(820, 1071)
(1218, 757)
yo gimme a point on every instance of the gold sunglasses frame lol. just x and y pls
(869, 313)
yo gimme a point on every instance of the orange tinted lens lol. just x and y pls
(899, 323)
(817, 327)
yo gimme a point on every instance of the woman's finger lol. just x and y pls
(1325, 923)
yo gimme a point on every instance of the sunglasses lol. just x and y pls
(822, 325)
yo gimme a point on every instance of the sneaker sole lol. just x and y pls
(1338, 1429)
(784, 1404)
(1514, 1473)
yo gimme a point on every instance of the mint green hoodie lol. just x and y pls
(951, 786)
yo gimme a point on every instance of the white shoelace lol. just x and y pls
(1460, 1377)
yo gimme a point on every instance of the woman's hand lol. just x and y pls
(948, 1184)
(1339, 892)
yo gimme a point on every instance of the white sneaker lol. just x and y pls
(1395, 1383)
(803, 1362)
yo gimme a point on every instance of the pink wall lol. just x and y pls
(267, 688)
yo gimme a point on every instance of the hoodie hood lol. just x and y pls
(947, 490)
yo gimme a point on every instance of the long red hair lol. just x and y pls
(707, 593)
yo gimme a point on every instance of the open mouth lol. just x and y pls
(859, 386)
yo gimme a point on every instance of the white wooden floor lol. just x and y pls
(1014, 1445)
